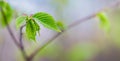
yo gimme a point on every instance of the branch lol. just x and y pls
(20, 38)
(20, 46)
(9, 29)
(21, 42)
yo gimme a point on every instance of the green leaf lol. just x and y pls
(61, 25)
(8, 12)
(46, 20)
(36, 26)
(31, 29)
(104, 22)
(20, 21)
(1, 3)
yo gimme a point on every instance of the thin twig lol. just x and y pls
(21, 42)
(20, 38)
(81, 21)
(69, 27)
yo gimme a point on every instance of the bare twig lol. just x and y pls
(20, 38)
(21, 42)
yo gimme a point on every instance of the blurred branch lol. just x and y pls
(72, 26)
(9, 28)
(20, 46)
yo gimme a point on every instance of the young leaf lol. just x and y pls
(37, 27)
(104, 22)
(46, 20)
(19, 21)
(8, 12)
(31, 29)
(61, 25)
(1, 3)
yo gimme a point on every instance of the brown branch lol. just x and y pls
(21, 43)
(20, 38)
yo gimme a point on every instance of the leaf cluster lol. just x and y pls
(32, 23)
